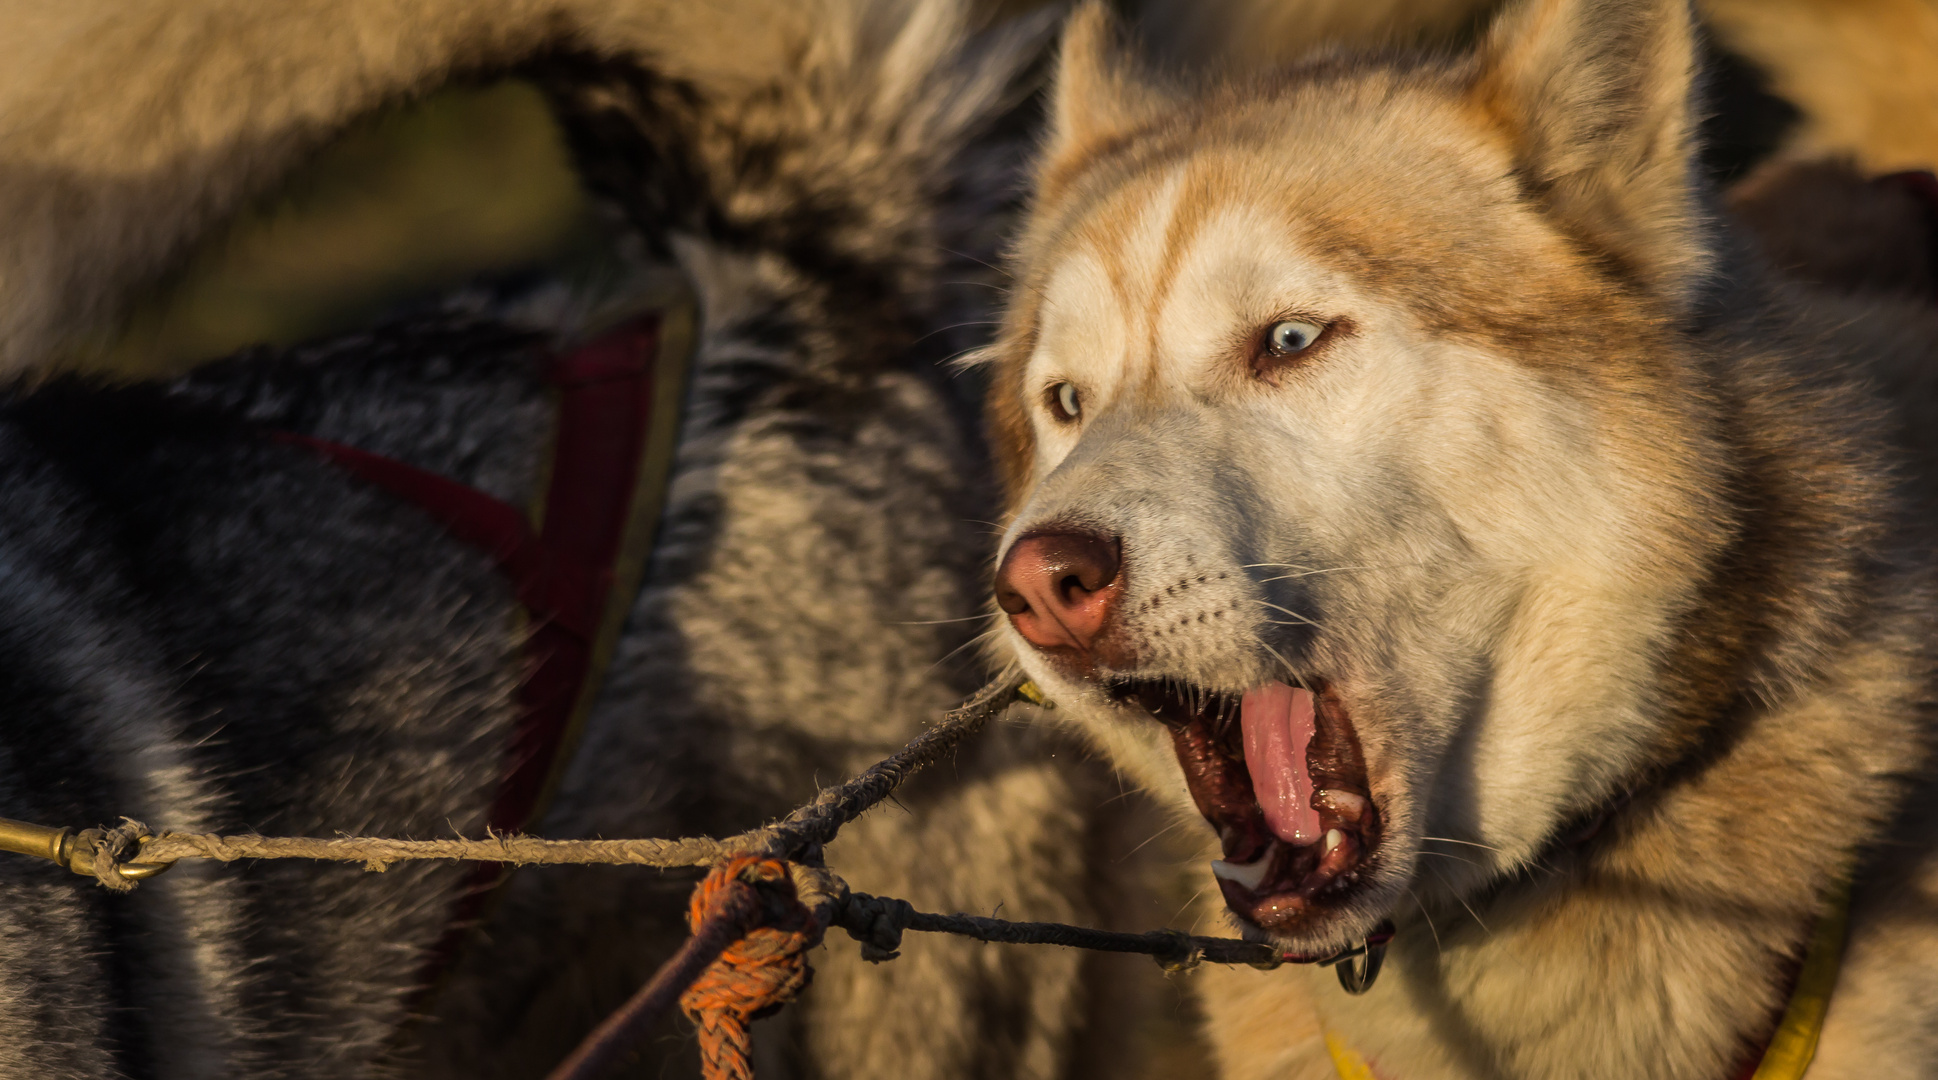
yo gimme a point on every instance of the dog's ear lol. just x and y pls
(1101, 92)
(1597, 95)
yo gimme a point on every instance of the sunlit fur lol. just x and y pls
(1589, 519)
(1863, 76)
(819, 173)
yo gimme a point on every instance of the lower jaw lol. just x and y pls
(1289, 888)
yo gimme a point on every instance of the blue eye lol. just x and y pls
(1291, 336)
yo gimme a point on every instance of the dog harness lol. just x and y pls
(575, 561)
(1791, 1046)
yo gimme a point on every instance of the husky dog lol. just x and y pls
(209, 629)
(1411, 476)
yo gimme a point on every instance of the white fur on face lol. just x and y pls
(1437, 531)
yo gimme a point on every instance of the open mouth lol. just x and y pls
(1278, 772)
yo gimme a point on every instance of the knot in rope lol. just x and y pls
(877, 922)
(1185, 953)
(107, 849)
(764, 968)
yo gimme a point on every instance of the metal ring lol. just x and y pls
(1358, 973)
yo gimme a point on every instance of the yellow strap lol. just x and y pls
(1795, 1042)
(1346, 1061)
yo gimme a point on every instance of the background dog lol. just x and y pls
(1412, 476)
(209, 629)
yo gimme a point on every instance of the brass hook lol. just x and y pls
(61, 846)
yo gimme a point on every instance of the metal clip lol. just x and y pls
(66, 847)
(1359, 969)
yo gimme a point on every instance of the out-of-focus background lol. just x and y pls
(469, 181)
(474, 180)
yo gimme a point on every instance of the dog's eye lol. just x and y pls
(1291, 336)
(1065, 403)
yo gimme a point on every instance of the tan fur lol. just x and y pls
(1690, 620)
(1863, 72)
(128, 129)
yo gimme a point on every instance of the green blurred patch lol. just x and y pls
(468, 181)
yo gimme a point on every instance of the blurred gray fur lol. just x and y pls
(213, 631)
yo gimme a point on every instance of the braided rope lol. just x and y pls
(766, 902)
(800, 832)
(107, 851)
(765, 969)
(732, 916)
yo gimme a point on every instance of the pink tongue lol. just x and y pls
(1278, 725)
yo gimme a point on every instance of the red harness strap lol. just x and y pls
(563, 573)
(574, 574)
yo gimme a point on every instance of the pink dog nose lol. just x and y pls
(1058, 587)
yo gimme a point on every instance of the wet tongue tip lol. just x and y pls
(1279, 723)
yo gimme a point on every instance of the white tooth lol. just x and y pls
(1250, 875)
(1344, 803)
(1333, 839)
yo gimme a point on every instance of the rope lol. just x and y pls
(609, 1043)
(878, 922)
(801, 832)
(105, 849)
(377, 853)
(766, 902)
(773, 912)
(746, 958)
(757, 974)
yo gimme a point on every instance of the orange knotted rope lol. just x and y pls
(757, 974)
(746, 958)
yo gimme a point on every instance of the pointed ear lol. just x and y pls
(1100, 90)
(1597, 94)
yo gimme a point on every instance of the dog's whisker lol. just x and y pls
(1186, 906)
(1275, 607)
(1290, 671)
(1450, 855)
(987, 635)
(958, 326)
(1469, 843)
(974, 259)
(1327, 570)
(1152, 837)
(1431, 929)
(1482, 923)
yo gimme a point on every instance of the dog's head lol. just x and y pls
(1360, 464)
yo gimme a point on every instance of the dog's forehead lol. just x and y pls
(1416, 201)
(1160, 272)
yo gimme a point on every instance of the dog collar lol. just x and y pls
(1791, 1046)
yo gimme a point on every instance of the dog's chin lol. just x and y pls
(1314, 894)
